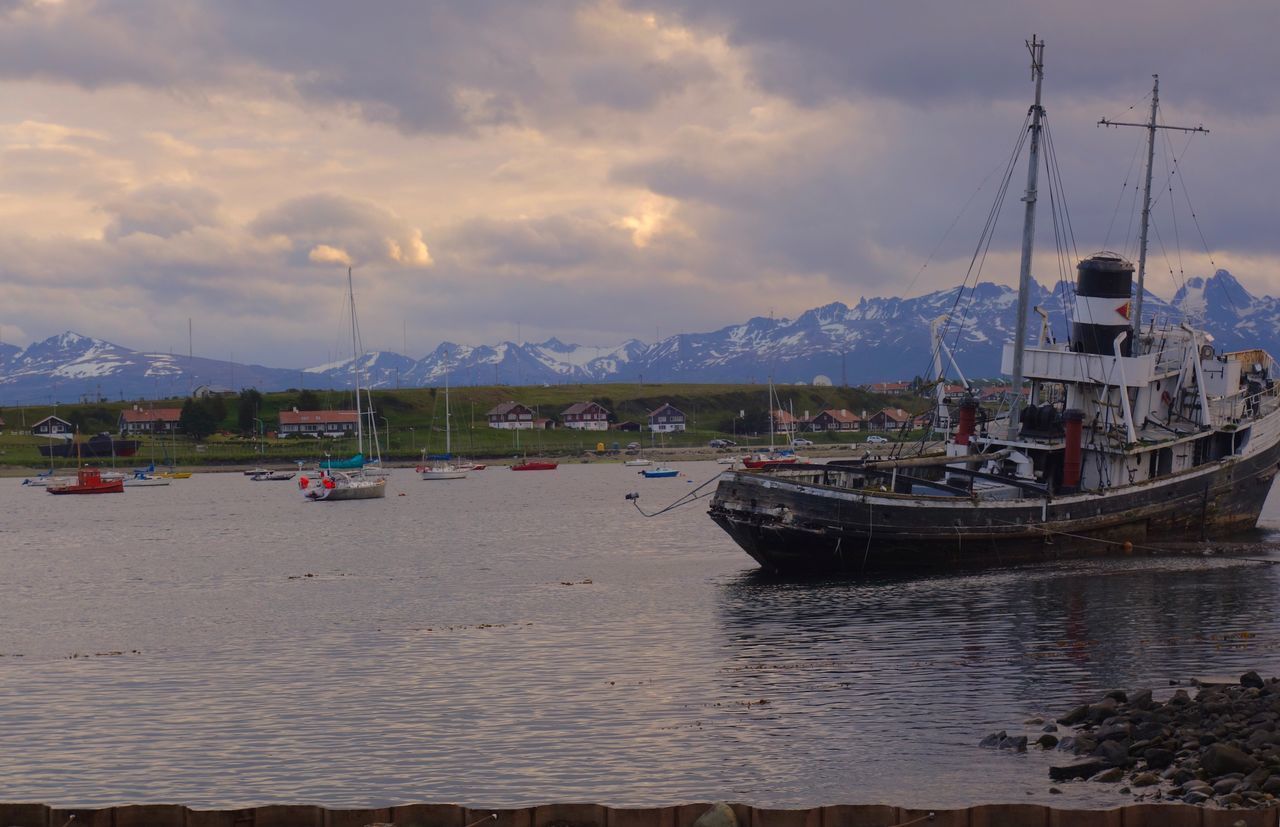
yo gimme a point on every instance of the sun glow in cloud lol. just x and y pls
(324, 254)
(648, 219)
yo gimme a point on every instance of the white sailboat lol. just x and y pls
(330, 484)
(445, 469)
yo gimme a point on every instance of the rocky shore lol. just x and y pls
(1219, 748)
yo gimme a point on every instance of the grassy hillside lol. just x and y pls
(412, 420)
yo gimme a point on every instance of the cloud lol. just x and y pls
(162, 210)
(815, 51)
(434, 67)
(325, 228)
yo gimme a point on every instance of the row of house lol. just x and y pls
(591, 416)
(885, 419)
(585, 416)
(133, 421)
(582, 416)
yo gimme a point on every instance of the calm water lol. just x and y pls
(513, 639)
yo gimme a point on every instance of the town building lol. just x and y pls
(511, 416)
(585, 416)
(317, 423)
(138, 420)
(890, 419)
(836, 420)
(783, 422)
(667, 418)
(53, 426)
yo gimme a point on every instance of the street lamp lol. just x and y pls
(413, 439)
(257, 446)
(388, 427)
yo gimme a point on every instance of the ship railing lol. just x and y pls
(1245, 407)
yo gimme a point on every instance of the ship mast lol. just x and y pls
(1151, 126)
(1036, 47)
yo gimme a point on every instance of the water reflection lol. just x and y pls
(930, 665)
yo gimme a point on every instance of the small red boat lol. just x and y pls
(88, 481)
(765, 461)
(534, 465)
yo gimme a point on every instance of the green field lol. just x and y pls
(412, 420)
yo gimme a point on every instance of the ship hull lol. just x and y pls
(794, 522)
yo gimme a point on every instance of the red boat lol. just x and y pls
(534, 465)
(765, 461)
(88, 481)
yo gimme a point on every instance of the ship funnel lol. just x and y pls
(1104, 284)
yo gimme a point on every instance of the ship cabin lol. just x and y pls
(1106, 412)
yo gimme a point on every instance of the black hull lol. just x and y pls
(99, 449)
(803, 527)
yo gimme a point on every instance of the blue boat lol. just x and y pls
(660, 471)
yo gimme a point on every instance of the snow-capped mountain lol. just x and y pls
(876, 339)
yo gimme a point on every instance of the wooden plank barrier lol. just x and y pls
(25, 814)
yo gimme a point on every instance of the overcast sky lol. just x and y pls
(589, 170)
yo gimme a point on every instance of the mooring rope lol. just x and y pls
(688, 498)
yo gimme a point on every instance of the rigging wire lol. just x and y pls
(978, 259)
(1063, 231)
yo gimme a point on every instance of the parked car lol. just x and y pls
(800, 442)
(632, 446)
(876, 438)
(721, 443)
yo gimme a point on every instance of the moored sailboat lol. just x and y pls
(1136, 431)
(331, 484)
(444, 468)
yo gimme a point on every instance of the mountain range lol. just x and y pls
(875, 340)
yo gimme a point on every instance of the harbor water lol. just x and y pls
(522, 638)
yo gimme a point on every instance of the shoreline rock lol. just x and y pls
(1220, 748)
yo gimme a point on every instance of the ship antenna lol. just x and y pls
(1036, 47)
(1151, 126)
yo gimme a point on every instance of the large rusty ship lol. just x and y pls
(1135, 431)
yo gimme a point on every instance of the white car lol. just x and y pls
(876, 438)
(801, 443)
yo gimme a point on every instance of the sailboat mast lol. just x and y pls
(1036, 47)
(355, 364)
(448, 449)
(1146, 213)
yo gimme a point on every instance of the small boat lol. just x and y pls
(338, 486)
(728, 460)
(87, 481)
(442, 471)
(40, 480)
(768, 460)
(143, 479)
(640, 461)
(264, 474)
(659, 472)
(535, 465)
(173, 475)
(254, 471)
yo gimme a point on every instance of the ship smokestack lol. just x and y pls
(1073, 422)
(968, 411)
(1104, 283)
